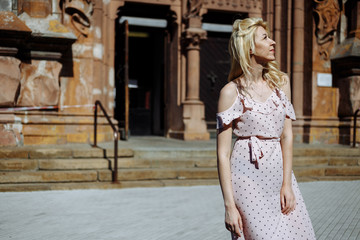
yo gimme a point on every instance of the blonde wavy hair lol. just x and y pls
(242, 40)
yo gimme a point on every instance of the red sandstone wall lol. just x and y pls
(50, 71)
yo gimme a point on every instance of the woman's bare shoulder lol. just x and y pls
(227, 96)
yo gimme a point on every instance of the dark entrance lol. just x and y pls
(145, 63)
(215, 60)
(214, 69)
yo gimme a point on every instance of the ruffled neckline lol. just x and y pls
(259, 102)
(267, 107)
(243, 104)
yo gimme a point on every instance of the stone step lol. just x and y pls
(328, 178)
(335, 151)
(160, 174)
(144, 183)
(87, 152)
(77, 168)
(297, 152)
(106, 175)
(185, 153)
(53, 164)
(48, 153)
(320, 171)
(124, 163)
(166, 163)
(104, 185)
(306, 171)
(18, 164)
(29, 180)
(345, 161)
(73, 164)
(173, 154)
(48, 176)
(326, 160)
(6, 153)
(310, 160)
(101, 163)
(343, 171)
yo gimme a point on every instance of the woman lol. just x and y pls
(261, 196)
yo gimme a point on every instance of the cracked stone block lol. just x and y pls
(9, 80)
(39, 83)
(10, 135)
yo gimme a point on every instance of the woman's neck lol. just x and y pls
(256, 73)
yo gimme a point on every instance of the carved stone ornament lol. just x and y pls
(327, 15)
(194, 36)
(234, 5)
(80, 12)
(35, 8)
(193, 8)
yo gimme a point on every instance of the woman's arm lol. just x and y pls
(232, 216)
(287, 197)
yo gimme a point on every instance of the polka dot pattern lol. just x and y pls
(257, 188)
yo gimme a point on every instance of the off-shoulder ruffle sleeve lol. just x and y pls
(226, 117)
(289, 109)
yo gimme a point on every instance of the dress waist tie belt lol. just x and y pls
(255, 147)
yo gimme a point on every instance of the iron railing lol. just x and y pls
(354, 131)
(116, 136)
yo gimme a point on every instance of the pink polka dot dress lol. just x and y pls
(257, 169)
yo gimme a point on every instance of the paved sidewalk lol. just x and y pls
(170, 213)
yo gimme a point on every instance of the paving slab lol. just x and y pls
(163, 213)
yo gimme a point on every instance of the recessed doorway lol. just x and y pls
(143, 59)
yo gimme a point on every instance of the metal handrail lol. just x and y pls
(116, 136)
(354, 133)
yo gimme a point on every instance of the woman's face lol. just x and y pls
(264, 46)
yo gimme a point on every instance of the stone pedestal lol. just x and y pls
(193, 117)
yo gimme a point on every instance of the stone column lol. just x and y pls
(297, 70)
(193, 109)
(193, 37)
(298, 58)
(277, 31)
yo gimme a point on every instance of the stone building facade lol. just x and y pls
(157, 66)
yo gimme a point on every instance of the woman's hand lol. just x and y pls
(287, 199)
(233, 221)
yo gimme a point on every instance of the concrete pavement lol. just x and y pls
(174, 213)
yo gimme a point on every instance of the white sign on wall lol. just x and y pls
(324, 80)
(133, 83)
